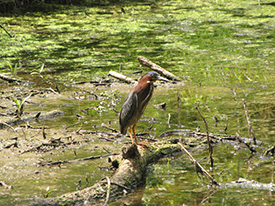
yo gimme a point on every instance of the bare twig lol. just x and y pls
(249, 122)
(6, 186)
(209, 195)
(73, 125)
(210, 147)
(9, 126)
(109, 128)
(80, 128)
(44, 133)
(108, 190)
(169, 119)
(50, 163)
(52, 90)
(15, 38)
(28, 126)
(253, 151)
(199, 168)
(6, 31)
(9, 79)
(106, 150)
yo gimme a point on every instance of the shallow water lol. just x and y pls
(224, 52)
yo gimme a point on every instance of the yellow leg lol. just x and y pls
(130, 133)
(143, 144)
(134, 133)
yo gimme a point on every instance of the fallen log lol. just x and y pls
(129, 175)
(131, 167)
(121, 77)
(145, 62)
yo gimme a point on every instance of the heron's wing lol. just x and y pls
(128, 112)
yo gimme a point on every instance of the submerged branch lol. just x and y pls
(249, 122)
(249, 184)
(210, 147)
(199, 168)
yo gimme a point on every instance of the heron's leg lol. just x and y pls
(130, 133)
(143, 144)
(134, 133)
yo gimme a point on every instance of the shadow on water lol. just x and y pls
(27, 7)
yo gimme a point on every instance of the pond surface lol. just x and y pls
(223, 50)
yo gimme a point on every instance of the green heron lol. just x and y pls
(136, 102)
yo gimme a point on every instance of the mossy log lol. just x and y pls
(131, 170)
(129, 175)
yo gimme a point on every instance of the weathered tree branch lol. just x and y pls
(210, 147)
(145, 62)
(121, 77)
(199, 168)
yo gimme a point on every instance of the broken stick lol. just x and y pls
(210, 147)
(145, 62)
(9, 79)
(249, 122)
(120, 77)
(199, 168)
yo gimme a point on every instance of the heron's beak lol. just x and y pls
(162, 79)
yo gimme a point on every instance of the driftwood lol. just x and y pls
(145, 62)
(121, 77)
(249, 184)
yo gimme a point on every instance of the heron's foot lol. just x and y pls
(143, 144)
